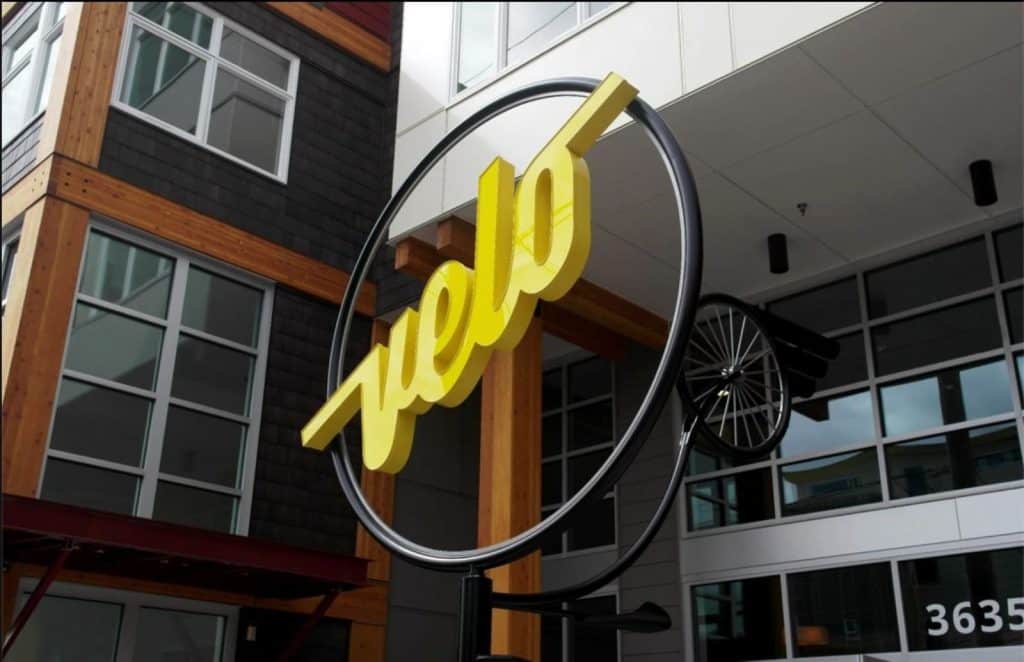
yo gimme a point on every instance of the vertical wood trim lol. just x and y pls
(366, 642)
(34, 331)
(83, 81)
(379, 488)
(510, 452)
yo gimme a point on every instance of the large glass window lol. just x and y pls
(843, 611)
(955, 460)
(31, 43)
(193, 73)
(154, 414)
(738, 620)
(836, 481)
(578, 433)
(919, 402)
(734, 499)
(76, 623)
(964, 600)
(495, 35)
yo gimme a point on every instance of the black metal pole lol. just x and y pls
(474, 616)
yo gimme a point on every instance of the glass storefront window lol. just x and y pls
(849, 367)
(950, 396)
(734, 499)
(68, 629)
(964, 600)
(822, 309)
(568, 640)
(738, 620)
(1014, 301)
(955, 460)
(1010, 253)
(817, 425)
(948, 272)
(950, 333)
(837, 481)
(164, 634)
(843, 611)
(578, 396)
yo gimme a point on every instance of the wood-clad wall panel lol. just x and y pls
(35, 328)
(339, 30)
(510, 490)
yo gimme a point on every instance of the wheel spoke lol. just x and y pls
(710, 344)
(724, 340)
(743, 356)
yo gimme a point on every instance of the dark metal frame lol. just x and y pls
(477, 598)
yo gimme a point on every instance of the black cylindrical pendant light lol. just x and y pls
(778, 253)
(984, 183)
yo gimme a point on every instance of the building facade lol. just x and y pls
(185, 186)
(888, 523)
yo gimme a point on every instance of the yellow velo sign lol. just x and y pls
(532, 242)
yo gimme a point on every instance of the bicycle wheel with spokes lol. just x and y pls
(732, 379)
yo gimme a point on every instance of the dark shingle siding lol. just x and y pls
(20, 155)
(296, 499)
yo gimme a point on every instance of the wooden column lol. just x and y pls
(510, 452)
(366, 640)
(35, 327)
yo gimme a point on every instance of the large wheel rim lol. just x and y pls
(663, 382)
(733, 381)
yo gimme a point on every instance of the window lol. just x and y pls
(735, 499)
(837, 481)
(964, 600)
(570, 640)
(919, 402)
(203, 78)
(955, 460)
(157, 409)
(8, 252)
(578, 433)
(843, 611)
(31, 45)
(74, 622)
(494, 35)
(738, 620)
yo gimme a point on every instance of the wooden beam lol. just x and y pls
(83, 81)
(510, 453)
(379, 488)
(339, 30)
(28, 191)
(367, 605)
(35, 326)
(366, 643)
(99, 192)
(456, 239)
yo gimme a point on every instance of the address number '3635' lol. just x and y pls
(965, 623)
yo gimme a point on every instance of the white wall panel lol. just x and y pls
(425, 201)
(758, 28)
(707, 42)
(424, 76)
(877, 530)
(991, 514)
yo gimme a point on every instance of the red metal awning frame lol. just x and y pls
(64, 536)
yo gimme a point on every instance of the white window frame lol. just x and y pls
(50, 27)
(584, 17)
(131, 603)
(213, 62)
(149, 473)
(563, 365)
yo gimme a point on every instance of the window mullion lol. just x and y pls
(165, 374)
(501, 61)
